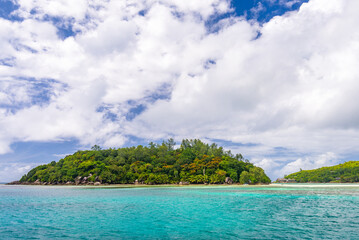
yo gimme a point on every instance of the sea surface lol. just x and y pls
(219, 212)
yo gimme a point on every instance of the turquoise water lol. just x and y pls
(269, 212)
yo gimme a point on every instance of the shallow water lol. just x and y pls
(265, 212)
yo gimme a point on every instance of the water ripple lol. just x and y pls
(29, 212)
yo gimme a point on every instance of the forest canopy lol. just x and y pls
(193, 161)
(345, 173)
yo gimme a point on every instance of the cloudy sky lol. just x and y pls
(276, 80)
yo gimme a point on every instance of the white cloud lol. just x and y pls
(279, 166)
(205, 9)
(293, 87)
(58, 8)
(5, 145)
(9, 170)
(269, 85)
(326, 159)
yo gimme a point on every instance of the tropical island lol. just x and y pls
(193, 162)
(343, 173)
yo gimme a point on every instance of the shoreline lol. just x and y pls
(135, 185)
(313, 185)
(275, 185)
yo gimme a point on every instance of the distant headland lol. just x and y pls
(194, 162)
(343, 173)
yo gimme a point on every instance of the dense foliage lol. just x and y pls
(346, 172)
(193, 162)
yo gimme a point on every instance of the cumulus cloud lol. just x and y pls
(9, 170)
(291, 86)
(307, 163)
(274, 80)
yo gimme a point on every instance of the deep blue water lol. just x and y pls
(43, 212)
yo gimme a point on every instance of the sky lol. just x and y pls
(275, 80)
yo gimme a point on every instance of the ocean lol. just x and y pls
(190, 212)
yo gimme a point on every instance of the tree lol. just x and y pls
(195, 162)
(170, 144)
(244, 178)
(96, 148)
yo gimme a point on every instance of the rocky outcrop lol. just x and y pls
(84, 181)
(228, 180)
(78, 180)
(14, 183)
(97, 179)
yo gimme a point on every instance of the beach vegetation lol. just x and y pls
(343, 173)
(193, 161)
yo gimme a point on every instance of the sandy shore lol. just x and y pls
(279, 185)
(134, 185)
(314, 185)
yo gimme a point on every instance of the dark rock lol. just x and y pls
(228, 180)
(97, 179)
(14, 183)
(78, 180)
(84, 180)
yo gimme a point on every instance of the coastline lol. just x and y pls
(135, 185)
(315, 185)
(275, 185)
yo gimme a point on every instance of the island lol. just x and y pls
(343, 173)
(193, 162)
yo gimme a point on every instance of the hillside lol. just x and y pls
(345, 173)
(193, 162)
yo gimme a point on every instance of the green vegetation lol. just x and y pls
(193, 162)
(344, 173)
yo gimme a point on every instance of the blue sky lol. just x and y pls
(274, 80)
